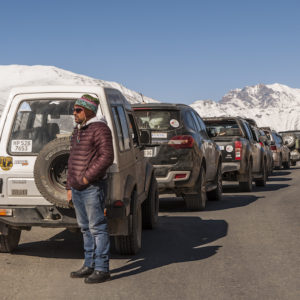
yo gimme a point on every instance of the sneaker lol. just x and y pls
(97, 277)
(82, 272)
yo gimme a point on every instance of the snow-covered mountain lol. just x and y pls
(274, 105)
(18, 75)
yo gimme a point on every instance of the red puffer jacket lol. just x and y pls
(91, 154)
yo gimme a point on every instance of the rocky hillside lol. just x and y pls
(275, 105)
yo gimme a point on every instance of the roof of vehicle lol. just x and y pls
(155, 105)
(290, 131)
(221, 118)
(251, 121)
(55, 89)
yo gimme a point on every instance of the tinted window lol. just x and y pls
(196, 121)
(133, 130)
(121, 127)
(158, 120)
(189, 120)
(224, 127)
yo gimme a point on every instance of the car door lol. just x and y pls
(256, 149)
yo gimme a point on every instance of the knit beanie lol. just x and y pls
(89, 102)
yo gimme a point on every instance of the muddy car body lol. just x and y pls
(244, 159)
(281, 153)
(291, 139)
(35, 131)
(186, 161)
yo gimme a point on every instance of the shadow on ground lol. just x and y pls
(64, 245)
(176, 240)
(177, 204)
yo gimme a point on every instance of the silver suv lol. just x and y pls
(35, 130)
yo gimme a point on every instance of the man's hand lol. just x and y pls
(85, 181)
(69, 195)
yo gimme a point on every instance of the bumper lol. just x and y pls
(230, 167)
(43, 216)
(170, 179)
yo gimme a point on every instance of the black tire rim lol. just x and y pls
(58, 171)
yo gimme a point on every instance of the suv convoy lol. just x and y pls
(186, 161)
(291, 139)
(244, 159)
(281, 153)
(35, 130)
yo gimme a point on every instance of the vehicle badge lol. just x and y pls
(6, 163)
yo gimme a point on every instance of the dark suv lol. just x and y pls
(186, 161)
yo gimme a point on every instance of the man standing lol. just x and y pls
(91, 154)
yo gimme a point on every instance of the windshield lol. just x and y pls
(157, 119)
(224, 128)
(37, 122)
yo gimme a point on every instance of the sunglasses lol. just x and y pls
(78, 110)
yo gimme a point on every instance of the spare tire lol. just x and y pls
(290, 139)
(50, 171)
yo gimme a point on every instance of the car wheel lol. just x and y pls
(246, 186)
(263, 180)
(150, 206)
(10, 241)
(287, 164)
(293, 163)
(216, 194)
(131, 244)
(197, 201)
(50, 171)
(280, 163)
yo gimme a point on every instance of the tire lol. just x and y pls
(293, 163)
(150, 206)
(290, 138)
(247, 185)
(287, 164)
(131, 244)
(50, 171)
(198, 201)
(10, 242)
(263, 180)
(216, 194)
(280, 163)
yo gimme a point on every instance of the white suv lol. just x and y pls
(35, 130)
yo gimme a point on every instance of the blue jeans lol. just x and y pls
(89, 207)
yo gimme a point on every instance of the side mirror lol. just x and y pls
(145, 137)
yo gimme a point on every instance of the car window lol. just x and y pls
(198, 126)
(37, 122)
(189, 120)
(121, 127)
(223, 127)
(156, 119)
(133, 130)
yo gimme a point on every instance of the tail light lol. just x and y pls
(181, 141)
(238, 150)
(273, 148)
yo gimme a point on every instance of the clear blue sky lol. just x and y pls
(173, 51)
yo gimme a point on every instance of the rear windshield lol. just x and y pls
(37, 122)
(224, 128)
(157, 119)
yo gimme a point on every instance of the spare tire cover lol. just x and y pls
(50, 171)
(290, 139)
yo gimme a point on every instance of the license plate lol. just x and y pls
(148, 153)
(159, 135)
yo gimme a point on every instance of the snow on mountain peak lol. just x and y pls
(275, 105)
(19, 75)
